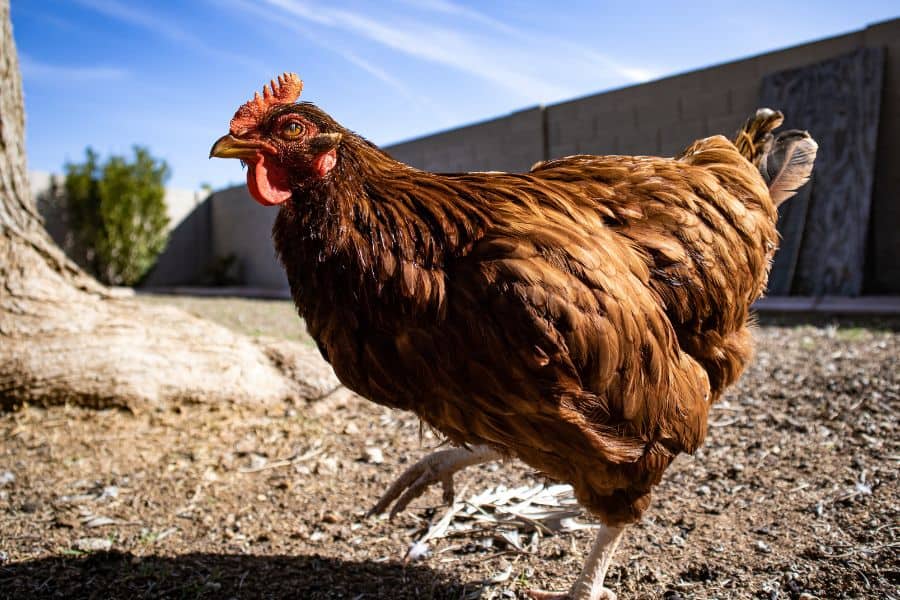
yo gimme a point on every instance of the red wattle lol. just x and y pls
(325, 162)
(269, 184)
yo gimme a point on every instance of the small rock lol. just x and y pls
(763, 547)
(3, 557)
(794, 587)
(66, 521)
(351, 428)
(672, 595)
(327, 465)
(417, 551)
(258, 461)
(704, 490)
(374, 456)
(330, 517)
(7, 477)
(500, 577)
(110, 491)
(245, 446)
(98, 521)
(93, 544)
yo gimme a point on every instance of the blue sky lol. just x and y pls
(169, 75)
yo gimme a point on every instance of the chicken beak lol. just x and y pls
(229, 146)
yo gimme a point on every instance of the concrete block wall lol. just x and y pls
(883, 253)
(662, 117)
(659, 117)
(187, 257)
(229, 223)
(243, 228)
(511, 143)
(179, 202)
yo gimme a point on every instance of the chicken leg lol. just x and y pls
(436, 467)
(589, 585)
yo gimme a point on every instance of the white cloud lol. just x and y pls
(531, 66)
(37, 70)
(450, 8)
(129, 14)
(431, 43)
(374, 70)
(630, 73)
(164, 28)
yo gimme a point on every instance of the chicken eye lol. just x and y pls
(292, 130)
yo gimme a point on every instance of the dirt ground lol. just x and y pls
(795, 494)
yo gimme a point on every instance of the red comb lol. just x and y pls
(284, 91)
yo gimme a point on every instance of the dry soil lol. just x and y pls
(794, 495)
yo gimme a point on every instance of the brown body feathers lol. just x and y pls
(582, 316)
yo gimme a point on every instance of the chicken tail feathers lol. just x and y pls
(754, 138)
(785, 160)
(789, 164)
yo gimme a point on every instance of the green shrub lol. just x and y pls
(117, 213)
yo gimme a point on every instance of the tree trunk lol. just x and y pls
(66, 338)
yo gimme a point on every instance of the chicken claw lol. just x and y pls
(436, 467)
(589, 585)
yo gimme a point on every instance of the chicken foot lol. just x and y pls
(589, 585)
(436, 467)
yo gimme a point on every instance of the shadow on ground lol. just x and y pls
(124, 575)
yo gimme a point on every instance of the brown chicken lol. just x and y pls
(582, 316)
